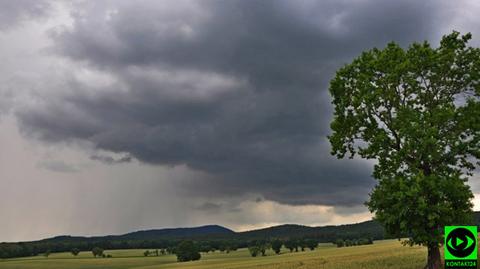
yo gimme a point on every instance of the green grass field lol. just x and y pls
(383, 254)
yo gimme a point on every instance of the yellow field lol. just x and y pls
(383, 254)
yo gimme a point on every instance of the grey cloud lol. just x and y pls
(347, 211)
(110, 160)
(236, 89)
(210, 207)
(15, 12)
(57, 166)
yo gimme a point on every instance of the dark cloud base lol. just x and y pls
(235, 89)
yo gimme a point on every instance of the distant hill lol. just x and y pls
(208, 230)
(156, 234)
(366, 229)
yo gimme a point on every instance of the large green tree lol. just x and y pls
(416, 111)
(187, 251)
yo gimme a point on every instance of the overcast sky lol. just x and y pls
(119, 115)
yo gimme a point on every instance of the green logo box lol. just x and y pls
(461, 245)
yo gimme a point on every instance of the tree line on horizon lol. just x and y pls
(257, 246)
(350, 235)
(188, 250)
(225, 242)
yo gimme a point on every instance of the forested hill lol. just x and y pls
(172, 233)
(367, 229)
(214, 231)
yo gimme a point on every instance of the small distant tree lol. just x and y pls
(277, 246)
(205, 248)
(263, 248)
(170, 250)
(47, 253)
(254, 250)
(290, 245)
(228, 247)
(301, 244)
(340, 243)
(75, 251)
(364, 241)
(97, 252)
(187, 251)
(311, 244)
(146, 253)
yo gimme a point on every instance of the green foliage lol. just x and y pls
(258, 247)
(254, 250)
(75, 251)
(47, 253)
(156, 252)
(187, 251)
(354, 242)
(290, 245)
(416, 112)
(264, 248)
(277, 246)
(311, 244)
(97, 252)
(302, 244)
(170, 250)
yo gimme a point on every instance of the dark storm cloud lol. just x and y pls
(236, 89)
(14, 12)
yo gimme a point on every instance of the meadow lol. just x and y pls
(382, 254)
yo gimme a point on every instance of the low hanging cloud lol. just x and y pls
(234, 89)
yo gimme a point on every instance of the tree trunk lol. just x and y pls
(434, 261)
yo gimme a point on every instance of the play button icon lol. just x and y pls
(461, 242)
